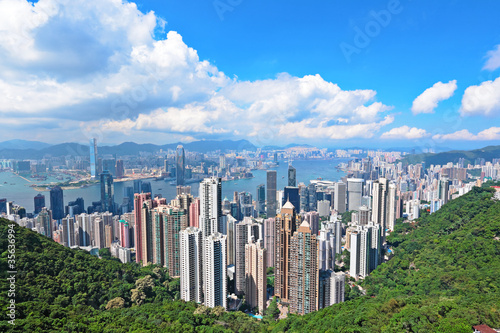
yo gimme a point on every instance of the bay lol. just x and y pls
(18, 190)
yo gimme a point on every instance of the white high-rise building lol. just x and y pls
(215, 271)
(391, 206)
(210, 206)
(366, 245)
(379, 205)
(191, 264)
(354, 193)
(360, 252)
(375, 245)
(323, 208)
(335, 225)
(337, 288)
(331, 288)
(326, 249)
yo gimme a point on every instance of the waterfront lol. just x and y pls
(18, 189)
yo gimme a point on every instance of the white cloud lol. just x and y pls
(493, 61)
(482, 100)
(405, 132)
(97, 67)
(308, 129)
(490, 134)
(429, 99)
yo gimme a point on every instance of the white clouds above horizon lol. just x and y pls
(493, 59)
(75, 69)
(96, 65)
(490, 134)
(405, 132)
(483, 99)
(429, 99)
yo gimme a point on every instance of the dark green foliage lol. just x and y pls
(443, 277)
(347, 216)
(59, 289)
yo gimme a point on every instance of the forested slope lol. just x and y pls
(444, 277)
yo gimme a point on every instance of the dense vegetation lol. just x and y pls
(60, 289)
(443, 277)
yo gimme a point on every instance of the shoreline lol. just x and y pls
(44, 187)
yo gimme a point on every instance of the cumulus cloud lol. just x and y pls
(429, 99)
(492, 133)
(104, 68)
(405, 132)
(483, 99)
(493, 59)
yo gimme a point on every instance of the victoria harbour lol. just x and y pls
(18, 189)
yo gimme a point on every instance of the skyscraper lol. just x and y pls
(120, 169)
(313, 219)
(261, 199)
(57, 203)
(391, 206)
(444, 190)
(194, 213)
(93, 158)
(244, 232)
(326, 249)
(175, 220)
(379, 206)
(303, 271)
(109, 165)
(215, 270)
(99, 233)
(158, 235)
(365, 250)
(292, 176)
(354, 193)
(286, 224)
(39, 202)
(139, 200)
(269, 240)
(180, 165)
(231, 240)
(191, 265)
(210, 206)
(147, 233)
(107, 192)
(271, 193)
(256, 276)
(331, 288)
(291, 194)
(137, 185)
(312, 201)
(44, 219)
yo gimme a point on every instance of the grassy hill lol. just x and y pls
(444, 277)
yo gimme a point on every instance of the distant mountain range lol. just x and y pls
(21, 149)
(488, 153)
(23, 144)
(291, 145)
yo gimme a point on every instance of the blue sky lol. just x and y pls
(420, 73)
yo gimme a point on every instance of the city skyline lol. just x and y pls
(338, 78)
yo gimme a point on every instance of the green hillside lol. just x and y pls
(488, 153)
(444, 277)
